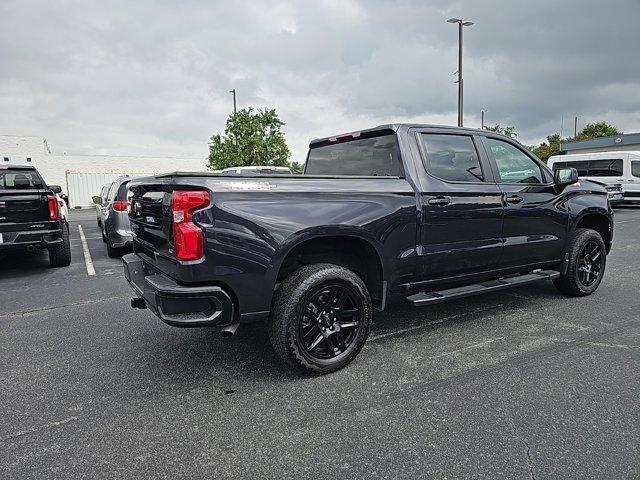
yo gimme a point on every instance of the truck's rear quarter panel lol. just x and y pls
(252, 223)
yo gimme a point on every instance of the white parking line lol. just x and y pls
(87, 256)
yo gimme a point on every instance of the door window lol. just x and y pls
(452, 158)
(514, 166)
(605, 168)
(582, 166)
(635, 168)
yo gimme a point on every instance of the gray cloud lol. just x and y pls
(153, 77)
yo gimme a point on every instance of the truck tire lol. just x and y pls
(320, 318)
(61, 255)
(587, 261)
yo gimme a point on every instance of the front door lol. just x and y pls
(461, 207)
(535, 221)
(632, 185)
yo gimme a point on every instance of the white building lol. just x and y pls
(81, 176)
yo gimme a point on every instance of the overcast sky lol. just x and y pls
(143, 77)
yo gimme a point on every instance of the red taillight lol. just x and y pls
(120, 206)
(188, 238)
(54, 209)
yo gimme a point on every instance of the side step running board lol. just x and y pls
(429, 298)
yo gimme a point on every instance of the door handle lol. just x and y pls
(440, 201)
(513, 199)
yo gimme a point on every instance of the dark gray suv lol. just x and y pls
(114, 218)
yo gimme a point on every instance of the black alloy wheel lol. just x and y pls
(586, 260)
(320, 317)
(330, 321)
(590, 264)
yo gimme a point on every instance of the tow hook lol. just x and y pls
(138, 302)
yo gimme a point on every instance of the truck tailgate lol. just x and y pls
(18, 207)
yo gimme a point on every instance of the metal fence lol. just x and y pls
(81, 186)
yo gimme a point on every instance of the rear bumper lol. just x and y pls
(45, 238)
(119, 240)
(175, 304)
(118, 230)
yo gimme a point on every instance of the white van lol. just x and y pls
(610, 168)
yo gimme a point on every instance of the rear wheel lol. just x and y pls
(587, 261)
(60, 256)
(320, 318)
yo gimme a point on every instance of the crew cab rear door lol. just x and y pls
(535, 221)
(461, 206)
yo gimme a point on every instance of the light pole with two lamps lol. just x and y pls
(461, 23)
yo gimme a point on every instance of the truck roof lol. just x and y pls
(388, 129)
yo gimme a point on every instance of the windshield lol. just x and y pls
(377, 156)
(20, 179)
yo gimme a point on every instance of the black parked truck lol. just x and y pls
(431, 213)
(30, 218)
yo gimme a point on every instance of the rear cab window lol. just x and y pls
(16, 179)
(373, 156)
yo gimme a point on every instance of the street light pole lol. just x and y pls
(234, 100)
(461, 23)
(460, 85)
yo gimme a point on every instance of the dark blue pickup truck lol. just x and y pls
(431, 213)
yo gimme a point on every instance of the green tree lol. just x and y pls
(295, 167)
(250, 138)
(508, 130)
(548, 148)
(597, 129)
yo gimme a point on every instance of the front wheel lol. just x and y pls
(320, 318)
(587, 261)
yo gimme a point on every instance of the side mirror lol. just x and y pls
(97, 200)
(565, 176)
(55, 188)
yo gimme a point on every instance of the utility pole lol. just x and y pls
(461, 23)
(482, 119)
(575, 126)
(234, 100)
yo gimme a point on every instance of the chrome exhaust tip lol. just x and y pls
(229, 330)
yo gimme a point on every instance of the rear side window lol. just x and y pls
(377, 156)
(122, 192)
(635, 168)
(452, 158)
(593, 168)
(20, 179)
(514, 166)
(582, 166)
(605, 168)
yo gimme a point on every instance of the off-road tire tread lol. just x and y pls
(286, 304)
(568, 283)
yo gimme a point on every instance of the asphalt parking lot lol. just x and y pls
(518, 384)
